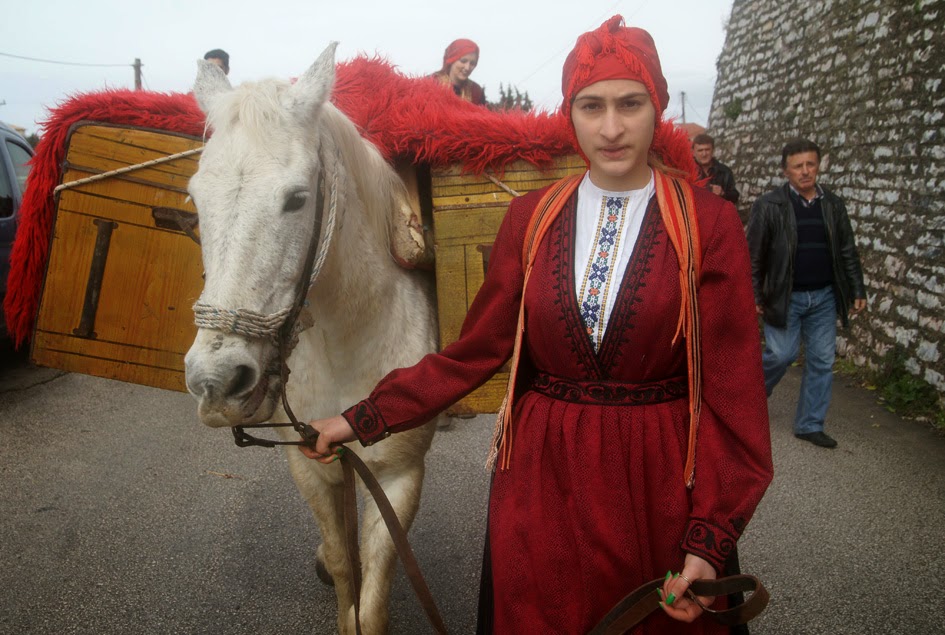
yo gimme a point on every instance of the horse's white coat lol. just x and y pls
(371, 316)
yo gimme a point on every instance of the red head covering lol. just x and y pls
(457, 49)
(615, 51)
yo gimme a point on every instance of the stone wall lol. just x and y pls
(863, 79)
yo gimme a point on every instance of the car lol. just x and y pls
(15, 155)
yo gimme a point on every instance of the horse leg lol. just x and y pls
(326, 500)
(403, 488)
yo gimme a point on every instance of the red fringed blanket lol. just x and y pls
(404, 117)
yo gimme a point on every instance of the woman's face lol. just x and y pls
(462, 68)
(614, 122)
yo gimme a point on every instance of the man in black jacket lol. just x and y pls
(806, 271)
(721, 180)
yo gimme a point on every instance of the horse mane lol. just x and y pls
(377, 185)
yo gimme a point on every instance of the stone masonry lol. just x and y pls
(864, 80)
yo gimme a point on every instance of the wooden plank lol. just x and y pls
(467, 212)
(113, 369)
(451, 291)
(525, 180)
(128, 139)
(63, 343)
(467, 225)
(101, 149)
(123, 202)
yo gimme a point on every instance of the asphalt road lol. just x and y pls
(121, 514)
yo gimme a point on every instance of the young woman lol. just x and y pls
(459, 61)
(638, 438)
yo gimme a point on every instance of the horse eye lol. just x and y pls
(295, 202)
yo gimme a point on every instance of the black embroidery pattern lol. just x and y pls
(610, 392)
(576, 332)
(563, 264)
(621, 319)
(708, 541)
(366, 421)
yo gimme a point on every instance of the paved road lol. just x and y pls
(120, 514)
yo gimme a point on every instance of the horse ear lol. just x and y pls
(314, 86)
(211, 81)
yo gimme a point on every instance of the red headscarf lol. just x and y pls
(456, 50)
(615, 51)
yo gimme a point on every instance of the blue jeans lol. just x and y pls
(812, 316)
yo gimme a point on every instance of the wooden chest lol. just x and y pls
(122, 273)
(467, 212)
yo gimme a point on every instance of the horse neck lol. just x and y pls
(360, 286)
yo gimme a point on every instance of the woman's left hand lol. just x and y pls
(332, 432)
(675, 601)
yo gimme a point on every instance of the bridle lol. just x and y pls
(284, 327)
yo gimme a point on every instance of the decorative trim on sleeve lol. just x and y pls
(709, 541)
(367, 422)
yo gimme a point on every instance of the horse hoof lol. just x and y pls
(322, 572)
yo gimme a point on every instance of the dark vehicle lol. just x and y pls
(15, 154)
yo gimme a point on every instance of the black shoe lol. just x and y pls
(818, 438)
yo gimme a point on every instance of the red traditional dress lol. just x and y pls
(594, 502)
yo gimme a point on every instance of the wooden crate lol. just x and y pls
(467, 212)
(122, 275)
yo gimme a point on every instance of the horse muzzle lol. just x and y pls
(234, 380)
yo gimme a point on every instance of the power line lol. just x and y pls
(36, 59)
(688, 101)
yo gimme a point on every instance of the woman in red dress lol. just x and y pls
(459, 61)
(634, 448)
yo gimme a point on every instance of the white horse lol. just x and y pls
(255, 194)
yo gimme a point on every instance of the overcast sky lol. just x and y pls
(522, 42)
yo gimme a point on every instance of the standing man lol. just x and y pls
(805, 271)
(219, 57)
(721, 180)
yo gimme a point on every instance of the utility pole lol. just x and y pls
(682, 97)
(137, 67)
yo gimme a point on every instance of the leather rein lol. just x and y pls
(350, 462)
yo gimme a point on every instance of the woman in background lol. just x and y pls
(459, 61)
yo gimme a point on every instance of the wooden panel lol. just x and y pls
(147, 271)
(467, 212)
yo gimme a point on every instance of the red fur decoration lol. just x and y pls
(413, 118)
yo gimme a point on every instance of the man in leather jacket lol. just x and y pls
(806, 272)
(721, 180)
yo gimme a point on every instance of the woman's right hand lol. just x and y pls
(332, 433)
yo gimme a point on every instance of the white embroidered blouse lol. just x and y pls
(608, 224)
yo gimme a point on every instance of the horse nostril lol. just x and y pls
(244, 380)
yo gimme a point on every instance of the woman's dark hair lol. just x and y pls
(796, 146)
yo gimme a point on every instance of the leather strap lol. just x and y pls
(636, 606)
(351, 460)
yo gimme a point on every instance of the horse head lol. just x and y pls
(255, 191)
